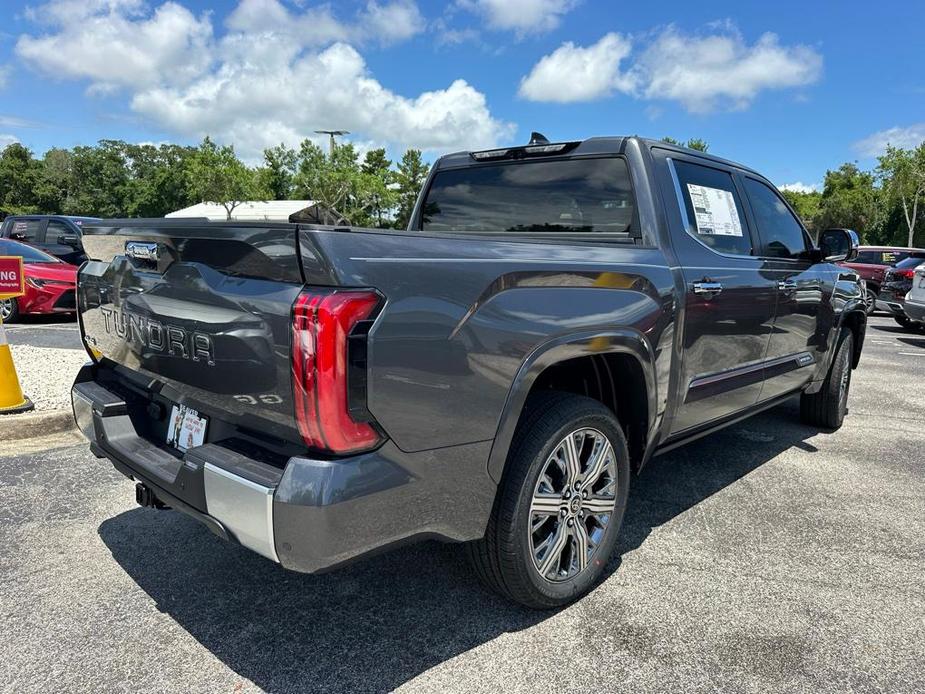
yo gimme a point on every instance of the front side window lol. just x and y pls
(781, 233)
(574, 195)
(713, 209)
(868, 258)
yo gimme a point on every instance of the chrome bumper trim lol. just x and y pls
(242, 506)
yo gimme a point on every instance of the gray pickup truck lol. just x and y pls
(554, 316)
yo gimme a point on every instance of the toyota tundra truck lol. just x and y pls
(555, 315)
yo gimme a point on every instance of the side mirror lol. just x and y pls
(837, 245)
(68, 239)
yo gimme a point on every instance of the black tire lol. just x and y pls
(504, 558)
(906, 323)
(827, 407)
(12, 306)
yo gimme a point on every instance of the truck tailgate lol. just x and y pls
(200, 313)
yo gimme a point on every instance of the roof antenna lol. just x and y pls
(538, 139)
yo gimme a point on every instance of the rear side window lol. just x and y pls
(781, 234)
(713, 209)
(574, 195)
(893, 257)
(25, 229)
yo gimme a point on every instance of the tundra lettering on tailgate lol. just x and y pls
(159, 337)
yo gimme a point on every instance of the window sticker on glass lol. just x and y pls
(715, 210)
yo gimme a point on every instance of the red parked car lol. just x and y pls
(872, 264)
(50, 283)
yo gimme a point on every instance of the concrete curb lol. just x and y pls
(15, 427)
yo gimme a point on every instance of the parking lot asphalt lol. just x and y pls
(767, 557)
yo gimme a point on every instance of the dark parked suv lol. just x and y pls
(57, 235)
(896, 284)
(555, 315)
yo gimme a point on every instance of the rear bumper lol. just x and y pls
(311, 515)
(914, 310)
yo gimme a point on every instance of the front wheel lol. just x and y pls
(9, 310)
(560, 504)
(871, 302)
(827, 408)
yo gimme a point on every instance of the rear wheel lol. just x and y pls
(560, 504)
(9, 310)
(827, 408)
(871, 301)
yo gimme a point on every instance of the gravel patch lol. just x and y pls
(46, 374)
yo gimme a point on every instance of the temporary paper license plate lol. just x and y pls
(186, 428)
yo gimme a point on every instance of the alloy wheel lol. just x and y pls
(572, 505)
(6, 309)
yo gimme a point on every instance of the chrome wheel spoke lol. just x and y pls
(600, 457)
(582, 544)
(572, 461)
(554, 544)
(546, 504)
(598, 504)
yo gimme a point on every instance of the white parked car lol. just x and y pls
(914, 304)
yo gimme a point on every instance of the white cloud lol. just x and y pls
(110, 44)
(275, 76)
(800, 187)
(385, 23)
(708, 72)
(255, 107)
(573, 73)
(7, 140)
(908, 137)
(702, 72)
(521, 16)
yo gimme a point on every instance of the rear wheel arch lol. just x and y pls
(615, 368)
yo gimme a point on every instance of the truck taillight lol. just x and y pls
(908, 274)
(324, 327)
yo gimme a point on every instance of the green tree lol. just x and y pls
(410, 177)
(805, 204)
(98, 180)
(902, 176)
(52, 186)
(158, 179)
(849, 200)
(276, 177)
(216, 175)
(381, 180)
(18, 175)
(339, 183)
(692, 143)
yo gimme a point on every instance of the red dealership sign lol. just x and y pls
(11, 277)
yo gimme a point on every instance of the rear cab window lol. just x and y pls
(713, 210)
(590, 195)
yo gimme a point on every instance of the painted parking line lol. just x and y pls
(912, 354)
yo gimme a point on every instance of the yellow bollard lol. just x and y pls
(12, 399)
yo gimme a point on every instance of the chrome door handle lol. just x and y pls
(787, 286)
(707, 287)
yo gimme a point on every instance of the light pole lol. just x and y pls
(332, 134)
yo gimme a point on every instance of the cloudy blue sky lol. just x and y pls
(791, 88)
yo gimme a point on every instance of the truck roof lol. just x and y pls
(594, 145)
